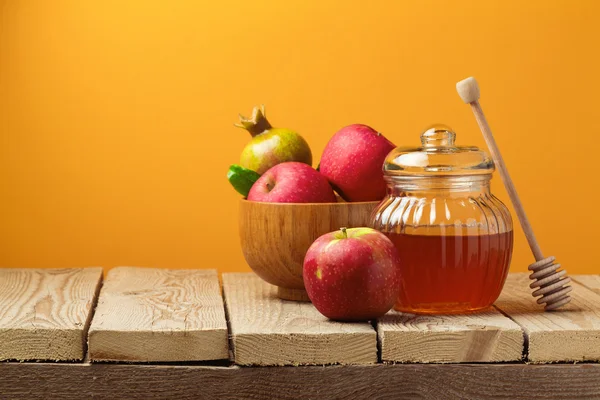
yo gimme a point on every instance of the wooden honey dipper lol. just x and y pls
(549, 282)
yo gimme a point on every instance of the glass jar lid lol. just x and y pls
(438, 156)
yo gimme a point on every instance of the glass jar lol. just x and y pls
(453, 236)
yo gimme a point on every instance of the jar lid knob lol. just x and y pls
(438, 136)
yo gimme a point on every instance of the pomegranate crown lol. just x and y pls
(257, 123)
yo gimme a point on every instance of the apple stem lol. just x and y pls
(344, 233)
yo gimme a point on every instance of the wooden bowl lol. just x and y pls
(276, 236)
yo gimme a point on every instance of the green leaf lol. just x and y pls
(242, 178)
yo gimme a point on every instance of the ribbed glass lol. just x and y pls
(454, 239)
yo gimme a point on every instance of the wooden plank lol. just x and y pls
(266, 330)
(45, 313)
(483, 337)
(149, 314)
(591, 282)
(569, 334)
(373, 382)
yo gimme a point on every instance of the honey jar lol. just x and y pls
(454, 237)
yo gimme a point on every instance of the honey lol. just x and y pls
(454, 237)
(454, 273)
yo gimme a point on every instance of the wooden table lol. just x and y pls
(153, 333)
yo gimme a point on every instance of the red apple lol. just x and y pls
(353, 161)
(352, 274)
(292, 182)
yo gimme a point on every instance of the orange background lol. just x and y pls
(116, 117)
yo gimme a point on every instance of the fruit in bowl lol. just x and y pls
(287, 208)
(352, 162)
(270, 146)
(288, 204)
(352, 274)
(292, 182)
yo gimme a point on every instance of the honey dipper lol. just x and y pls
(548, 281)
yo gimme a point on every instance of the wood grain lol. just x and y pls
(372, 382)
(483, 337)
(45, 313)
(266, 330)
(569, 334)
(591, 282)
(275, 237)
(149, 314)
